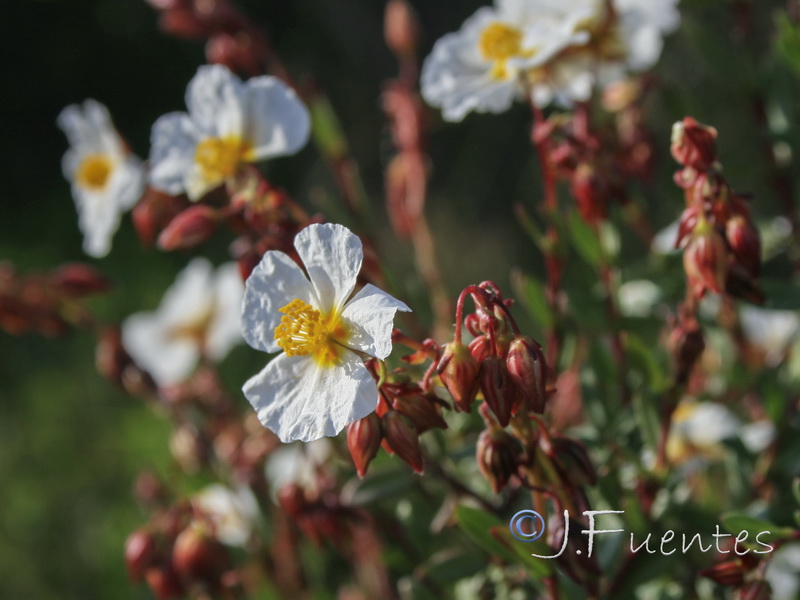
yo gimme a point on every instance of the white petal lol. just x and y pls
(274, 283)
(190, 296)
(173, 142)
(127, 183)
(233, 513)
(332, 256)
(197, 184)
(215, 101)
(99, 119)
(298, 400)
(370, 314)
(225, 331)
(276, 121)
(98, 219)
(168, 360)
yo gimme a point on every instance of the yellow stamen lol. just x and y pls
(498, 43)
(304, 331)
(94, 171)
(219, 158)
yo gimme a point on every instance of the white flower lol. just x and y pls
(229, 123)
(664, 241)
(198, 315)
(319, 384)
(552, 49)
(233, 513)
(297, 463)
(783, 572)
(106, 178)
(771, 330)
(638, 298)
(482, 66)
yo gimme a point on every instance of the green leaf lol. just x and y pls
(642, 357)
(533, 297)
(736, 522)
(495, 538)
(585, 240)
(381, 485)
(787, 42)
(326, 130)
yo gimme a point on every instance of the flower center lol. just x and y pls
(219, 158)
(94, 170)
(304, 331)
(195, 327)
(498, 43)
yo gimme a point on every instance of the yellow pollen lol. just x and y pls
(304, 331)
(219, 158)
(94, 171)
(498, 43)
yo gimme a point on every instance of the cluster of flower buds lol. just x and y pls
(635, 148)
(505, 366)
(722, 248)
(404, 412)
(686, 344)
(47, 303)
(320, 515)
(740, 573)
(232, 40)
(177, 551)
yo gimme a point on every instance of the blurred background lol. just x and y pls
(71, 445)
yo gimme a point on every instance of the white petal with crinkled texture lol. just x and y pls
(298, 400)
(276, 121)
(370, 315)
(172, 148)
(224, 331)
(274, 283)
(332, 255)
(215, 99)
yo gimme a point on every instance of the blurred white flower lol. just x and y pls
(553, 49)
(297, 463)
(229, 123)
(483, 66)
(771, 330)
(107, 179)
(233, 513)
(664, 241)
(698, 430)
(319, 384)
(198, 315)
(783, 573)
(638, 298)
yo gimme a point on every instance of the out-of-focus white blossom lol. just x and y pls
(232, 513)
(771, 330)
(638, 298)
(198, 315)
(107, 179)
(229, 123)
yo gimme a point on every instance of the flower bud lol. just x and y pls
(592, 191)
(189, 228)
(729, 573)
(420, 409)
(292, 499)
(480, 348)
(402, 437)
(577, 466)
(693, 144)
(705, 260)
(498, 389)
(237, 51)
(745, 243)
(497, 455)
(197, 556)
(363, 440)
(110, 356)
(78, 280)
(458, 371)
(686, 226)
(141, 552)
(152, 213)
(400, 28)
(528, 370)
(687, 345)
(164, 582)
(755, 590)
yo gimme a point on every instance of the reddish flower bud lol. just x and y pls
(111, 358)
(197, 556)
(693, 144)
(498, 456)
(480, 347)
(422, 411)
(400, 28)
(687, 345)
(528, 370)
(141, 553)
(78, 280)
(573, 457)
(164, 582)
(183, 22)
(363, 440)
(498, 389)
(705, 260)
(592, 191)
(741, 284)
(458, 371)
(686, 226)
(239, 52)
(755, 590)
(729, 573)
(189, 228)
(152, 213)
(745, 243)
(292, 499)
(402, 436)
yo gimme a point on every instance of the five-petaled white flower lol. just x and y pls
(319, 383)
(107, 179)
(229, 123)
(550, 49)
(198, 316)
